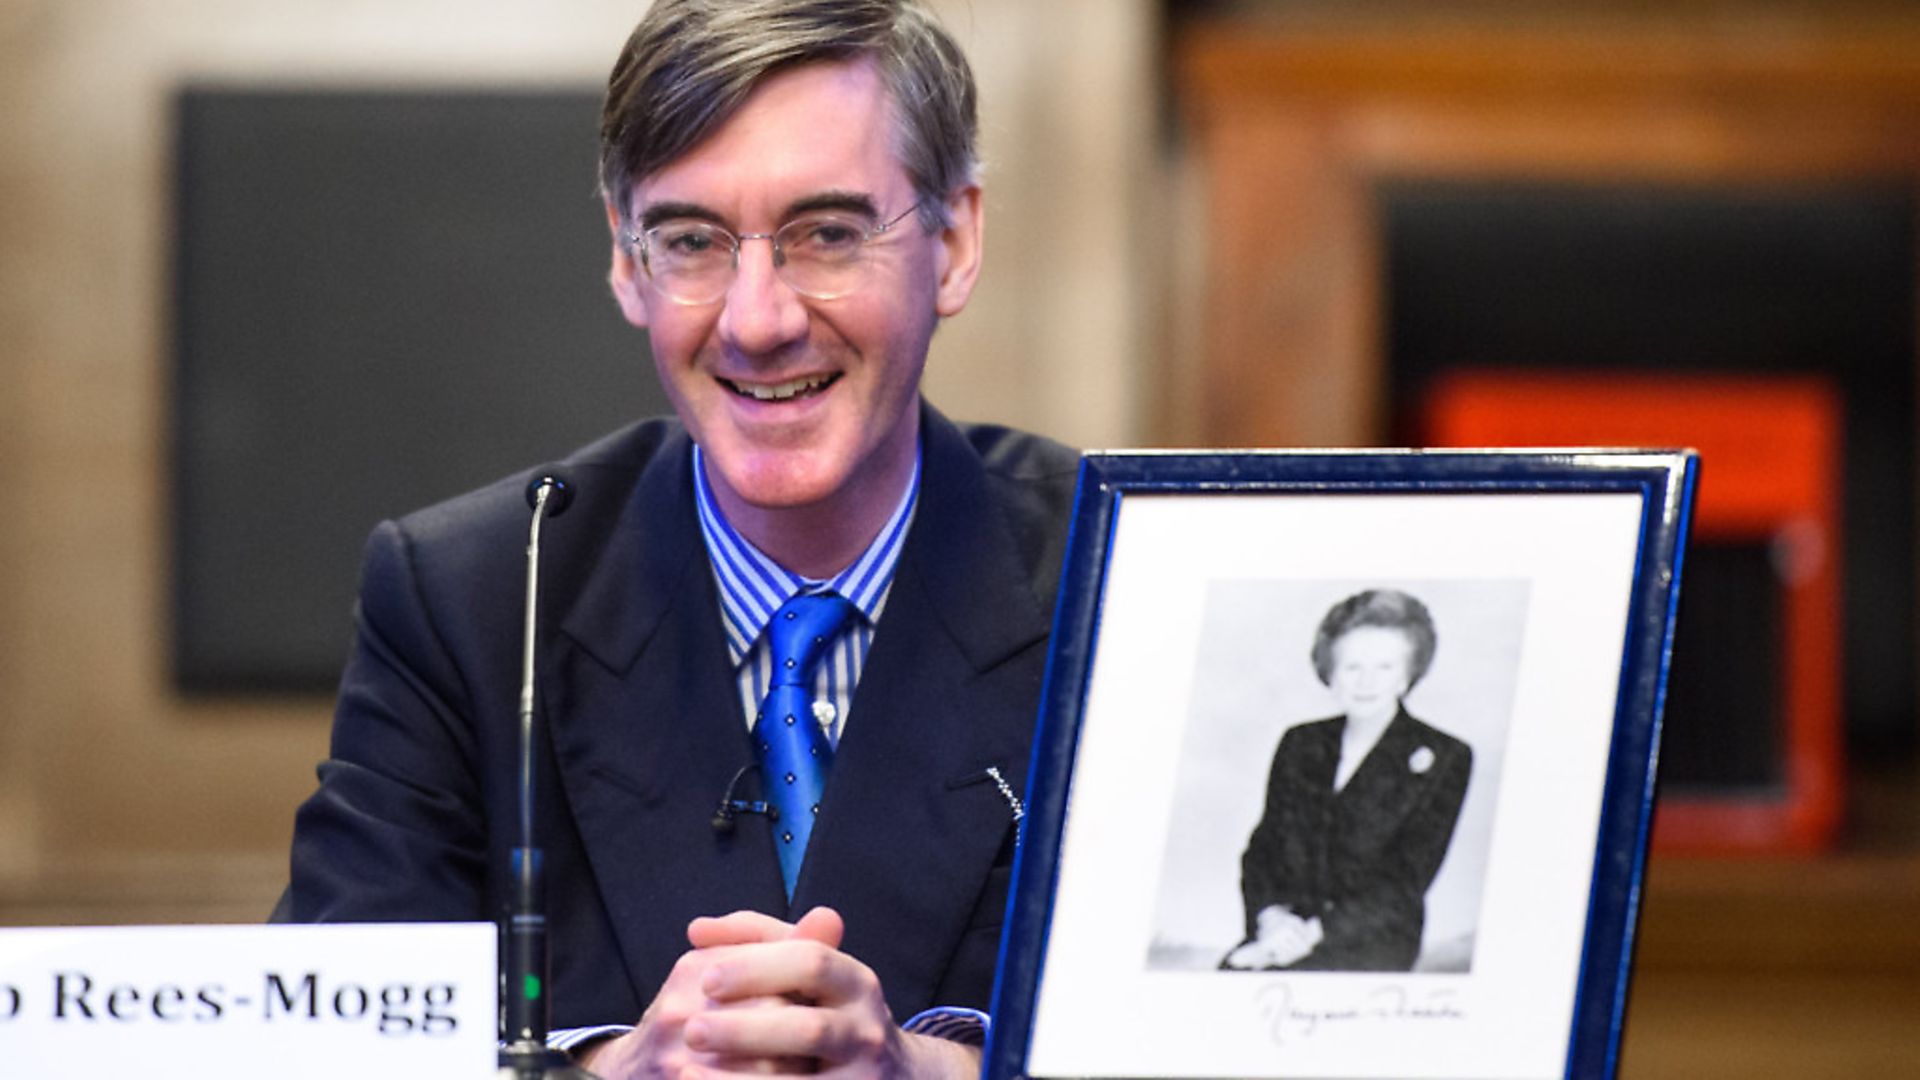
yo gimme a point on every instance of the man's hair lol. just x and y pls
(690, 64)
(1388, 608)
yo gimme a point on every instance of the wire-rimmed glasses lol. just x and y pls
(821, 254)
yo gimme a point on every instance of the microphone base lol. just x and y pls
(534, 1061)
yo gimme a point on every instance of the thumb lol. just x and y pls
(822, 924)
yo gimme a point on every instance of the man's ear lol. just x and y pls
(961, 248)
(624, 277)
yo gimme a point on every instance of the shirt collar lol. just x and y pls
(753, 586)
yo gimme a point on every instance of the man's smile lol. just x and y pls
(806, 385)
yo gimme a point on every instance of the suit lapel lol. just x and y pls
(911, 824)
(1385, 785)
(1321, 760)
(1313, 792)
(648, 732)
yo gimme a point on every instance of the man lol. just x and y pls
(791, 188)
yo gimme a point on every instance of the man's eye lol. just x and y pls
(684, 242)
(824, 236)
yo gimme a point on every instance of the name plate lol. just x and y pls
(250, 1001)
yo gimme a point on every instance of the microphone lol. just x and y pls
(525, 960)
(554, 483)
(723, 815)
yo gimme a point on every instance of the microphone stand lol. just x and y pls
(524, 965)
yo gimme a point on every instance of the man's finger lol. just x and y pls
(739, 928)
(797, 969)
(788, 1034)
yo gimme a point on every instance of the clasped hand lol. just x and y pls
(757, 996)
(1281, 939)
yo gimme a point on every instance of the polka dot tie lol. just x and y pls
(795, 753)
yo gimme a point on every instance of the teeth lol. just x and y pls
(781, 391)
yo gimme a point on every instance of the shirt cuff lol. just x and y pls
(967, 1027)
(567, 1039)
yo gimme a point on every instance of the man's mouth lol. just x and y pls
(783, 391)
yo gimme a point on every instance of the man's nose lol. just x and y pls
(763, 313)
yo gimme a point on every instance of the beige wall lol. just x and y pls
(119, 800)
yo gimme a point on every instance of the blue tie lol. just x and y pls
(794, 753)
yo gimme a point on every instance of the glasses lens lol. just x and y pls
(691, 261)
(822, 253)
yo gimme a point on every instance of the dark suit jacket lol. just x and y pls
(415, 812)
(1360, 859)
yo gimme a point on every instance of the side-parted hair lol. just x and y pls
(690, 64)
(1390, 608)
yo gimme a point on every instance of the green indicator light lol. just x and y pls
(533, 988)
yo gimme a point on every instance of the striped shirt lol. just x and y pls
(752, 587)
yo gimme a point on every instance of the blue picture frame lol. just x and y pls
(1661, 483)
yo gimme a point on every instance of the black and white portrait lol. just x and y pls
(1334, 796)
(1351, 779)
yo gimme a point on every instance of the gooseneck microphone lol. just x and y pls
(525, 1010)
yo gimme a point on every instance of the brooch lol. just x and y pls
(1421, 760)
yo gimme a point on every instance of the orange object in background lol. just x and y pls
(1770, 474)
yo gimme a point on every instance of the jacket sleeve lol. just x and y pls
(1269, 868)
(396, 830)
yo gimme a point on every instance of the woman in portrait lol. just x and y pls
(1360, 808)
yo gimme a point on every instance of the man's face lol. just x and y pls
(799, 402)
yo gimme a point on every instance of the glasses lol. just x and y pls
(822, 255)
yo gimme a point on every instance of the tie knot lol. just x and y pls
(800, 631)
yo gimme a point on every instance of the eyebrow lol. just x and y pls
(655, 213)
(852, 202)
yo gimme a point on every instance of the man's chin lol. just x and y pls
(786, 483)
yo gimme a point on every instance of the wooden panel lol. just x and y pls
(1801, 1025)
(1778, 969)
(1296, 295)
(1292, 132)
(1574, 59)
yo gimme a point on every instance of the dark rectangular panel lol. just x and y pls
(382, 299)
(1725, 732)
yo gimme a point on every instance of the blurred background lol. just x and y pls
(271, 272)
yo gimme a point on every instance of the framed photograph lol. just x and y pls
(1344, 766)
